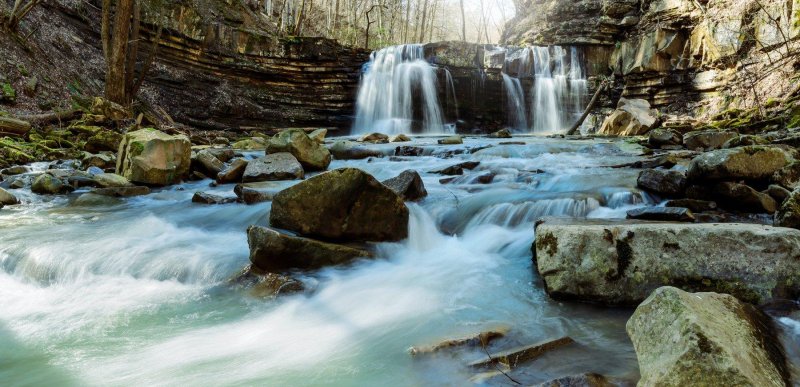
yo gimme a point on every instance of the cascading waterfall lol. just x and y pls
(397, 88)
(558, 92)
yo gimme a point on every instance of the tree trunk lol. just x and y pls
(588, 110)
(14, 126)
(422, 24)
(463, 23)
(115, 72)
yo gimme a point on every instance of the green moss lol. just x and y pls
(136, 148)
(7, 93)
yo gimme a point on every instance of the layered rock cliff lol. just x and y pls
(696, 57)
(219, 65)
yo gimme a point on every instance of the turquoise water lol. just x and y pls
(136, 291)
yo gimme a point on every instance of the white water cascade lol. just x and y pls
(398, 87)
(558, 92)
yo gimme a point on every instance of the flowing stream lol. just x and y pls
(136, 291)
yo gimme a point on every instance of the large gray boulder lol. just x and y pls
(47, 184)
(273, 251)
(345, 204)
(746, 163)
(151, 157)
(276, 166)
(705, 339)
(311, 154)
(621, 262)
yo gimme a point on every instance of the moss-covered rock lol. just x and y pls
(345, 204)
(747, 163)
(149, 156)
(47, 184)
(705, 339)
(7, 94)
(103, 140)
(312, 155)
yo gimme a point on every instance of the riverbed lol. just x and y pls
(138, 291)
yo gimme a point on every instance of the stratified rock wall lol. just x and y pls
(221, 65)
(698, 57)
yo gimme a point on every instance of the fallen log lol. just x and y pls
(13, 126)
(47, 118)
(515, 356)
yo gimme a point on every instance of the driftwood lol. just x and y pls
(14, 126)
(589, 108)
(515, 356)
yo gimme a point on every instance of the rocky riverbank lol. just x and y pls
(322, 216)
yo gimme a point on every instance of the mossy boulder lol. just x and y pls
(745, 163)
(788, 176)
(110, 110)
(788, 214)
(622, 262)
(103, 141)
(345, 204)
(47, 184)
(7, 94)
(705, 339)
(273, 251)
(311, 154)
(149, 156)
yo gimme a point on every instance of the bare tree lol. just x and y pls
(20, 9)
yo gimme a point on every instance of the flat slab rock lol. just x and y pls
(675, 214)
(622, 262)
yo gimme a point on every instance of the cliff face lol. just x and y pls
(219, 65)
(697, 57)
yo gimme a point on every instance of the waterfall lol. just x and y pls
(515, 99)
(398, 88)
(558, 92)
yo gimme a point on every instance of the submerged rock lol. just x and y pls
(122, 192)
(207, 198)
(670, 214)
(399, 138)
(408, 185)
(151, 157)
(705, 339)
(516, 356)
(273, 251)
(458, 169)
(452, 140)
(274, 166)
(585, 380)
(375, 138)
(664, 182)
(311, 155)
(708, 139)
(481, 339)
(502, 133)
(412, 151)
(345, 204)
(349, 150)
(621, 262)
(253, 193)
(7, 198)
(106, 180)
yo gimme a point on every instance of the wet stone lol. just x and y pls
(671, 214)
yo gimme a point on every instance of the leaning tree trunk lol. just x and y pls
(13, 126)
